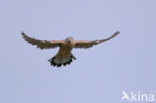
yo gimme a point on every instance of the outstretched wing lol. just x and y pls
(88, 44)
(42, 44)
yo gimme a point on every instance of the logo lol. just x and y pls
(137, 96)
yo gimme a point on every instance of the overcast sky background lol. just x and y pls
(100, 74)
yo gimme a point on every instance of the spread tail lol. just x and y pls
(58, 62)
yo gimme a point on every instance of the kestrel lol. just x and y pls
(64, 55)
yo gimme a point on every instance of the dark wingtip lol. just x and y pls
(117, 32)
(22, 33)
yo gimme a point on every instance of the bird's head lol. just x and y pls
(69, 40)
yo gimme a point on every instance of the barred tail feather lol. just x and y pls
(58, 62)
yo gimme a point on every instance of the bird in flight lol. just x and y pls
(64, 56)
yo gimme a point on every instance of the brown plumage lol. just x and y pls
(64, 56)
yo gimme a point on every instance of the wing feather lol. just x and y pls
(42, 44)
(89, 44)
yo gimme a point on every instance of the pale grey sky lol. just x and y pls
(100, 74)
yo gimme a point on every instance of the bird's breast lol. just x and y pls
(65, 50)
